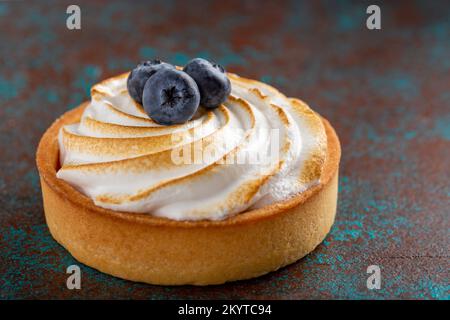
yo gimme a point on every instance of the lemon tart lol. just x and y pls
(190, 203)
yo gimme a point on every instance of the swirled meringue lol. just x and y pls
(258, 148)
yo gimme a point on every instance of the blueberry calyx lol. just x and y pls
(140, 75)
(171, 97)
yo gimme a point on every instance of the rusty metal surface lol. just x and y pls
(386, 92)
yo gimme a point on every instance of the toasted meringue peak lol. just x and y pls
(258, 148)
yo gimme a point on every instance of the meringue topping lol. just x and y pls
(207, 168)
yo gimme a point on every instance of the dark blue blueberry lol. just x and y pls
(171, 97)
(212, 81)
(139, 76)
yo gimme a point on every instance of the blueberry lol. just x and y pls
(212, 81)
(139, 76)
(171, 97)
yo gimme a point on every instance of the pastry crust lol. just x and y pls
(144, 248)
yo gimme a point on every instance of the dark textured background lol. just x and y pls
(386, 92)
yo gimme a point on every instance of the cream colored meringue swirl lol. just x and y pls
(258, 148)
